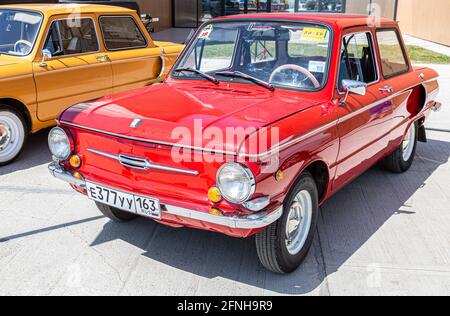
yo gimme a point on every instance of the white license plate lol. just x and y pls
(136, 204)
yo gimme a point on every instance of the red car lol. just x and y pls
(260, 121)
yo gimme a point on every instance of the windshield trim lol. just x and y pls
(186, 52)
(37, 33)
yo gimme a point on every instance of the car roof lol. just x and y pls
(63, 8)
(338, 19)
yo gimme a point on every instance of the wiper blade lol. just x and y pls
(200, 73)
(238, 74)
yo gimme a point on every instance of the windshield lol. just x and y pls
(18, 31)
(291, 55)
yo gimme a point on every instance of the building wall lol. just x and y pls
(429, 20)
(384, 8)
(161, 9)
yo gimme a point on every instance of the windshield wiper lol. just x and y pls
(200, 73)
(238, 74)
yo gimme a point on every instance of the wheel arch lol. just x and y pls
(320, 171)
(21, 108)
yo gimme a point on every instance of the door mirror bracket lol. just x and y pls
(352, 86)
(46, 55)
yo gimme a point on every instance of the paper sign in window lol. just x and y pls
(312, 34)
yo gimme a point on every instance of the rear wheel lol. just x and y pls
(402, 159)
(284, 245)
(114, 213)
(12, 135)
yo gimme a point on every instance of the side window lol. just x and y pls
(121, 33)
(263, 51)
(357, 59)
(392, 55)
(53, 43)
(72, 37)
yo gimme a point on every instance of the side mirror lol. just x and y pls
(46, 55)
(352, 86)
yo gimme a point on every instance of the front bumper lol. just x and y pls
(253, 221)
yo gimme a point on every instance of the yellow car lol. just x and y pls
(55, 55)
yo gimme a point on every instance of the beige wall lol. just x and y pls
(428, 20)
(161, 9)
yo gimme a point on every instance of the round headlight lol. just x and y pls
(236, 182)
(59, 143)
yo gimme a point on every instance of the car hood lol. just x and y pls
(10, 67)
(170, 111)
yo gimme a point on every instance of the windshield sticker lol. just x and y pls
(256, 27)
(206, 32)
(313, 34)
(316, 66)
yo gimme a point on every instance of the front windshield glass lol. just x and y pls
(18, 31)
(291, 55)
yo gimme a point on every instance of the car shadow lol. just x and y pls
(35, 153)
(348, 220)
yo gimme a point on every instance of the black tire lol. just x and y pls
(115, 214)
(271, 243)
(11, 113)
(395, 162)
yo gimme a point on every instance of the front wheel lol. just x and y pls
(403, 157)
(284, 245)
(12, 135)
(114, 213)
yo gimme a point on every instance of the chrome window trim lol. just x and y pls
(124, 48)
(377, 64)
(59, 35)
(274, 149)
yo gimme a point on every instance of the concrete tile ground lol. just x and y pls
(383, 234)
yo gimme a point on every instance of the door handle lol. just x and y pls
(387, 89)
(103, 59)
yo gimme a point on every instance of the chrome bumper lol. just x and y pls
(253, 221)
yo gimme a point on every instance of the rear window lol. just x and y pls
(121, 33)
(393, 60)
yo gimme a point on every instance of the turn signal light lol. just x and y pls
(214, 195)
(215, 211)
(75, 161)
(280, 175)
(78, 176)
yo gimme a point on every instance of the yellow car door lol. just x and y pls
(72, 66)
(136, 60)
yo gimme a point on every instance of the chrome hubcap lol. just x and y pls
(408, 143)
(12, 135)
(5, 136)
(299, 222)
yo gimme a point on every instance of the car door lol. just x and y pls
(77, 70)
(362, 120)
(136, 61)
(397, 78)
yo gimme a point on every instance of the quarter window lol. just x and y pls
(72, 37)
(121, 33)
(393, 60)
(357, 59)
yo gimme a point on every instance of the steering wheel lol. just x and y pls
(19, 46)
(296, 68)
